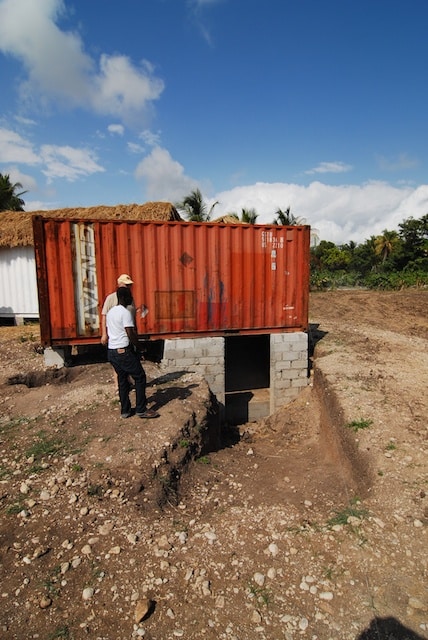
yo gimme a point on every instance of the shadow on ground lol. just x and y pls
(388, 629)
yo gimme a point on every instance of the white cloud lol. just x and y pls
(68, 162)
(396, 163)
(135, 148)
(330, 167)
(340, 213)
(59, 70)
(123, 89)
(28, 182)
(164, 177)
(150, 137)
(14, 148)
(24, 121)
(117, 129)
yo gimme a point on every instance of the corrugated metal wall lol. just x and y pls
(189, 278)
(18, 284)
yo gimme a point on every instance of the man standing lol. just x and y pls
(124, 280)
(124, 355)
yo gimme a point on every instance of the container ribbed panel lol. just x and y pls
(189, 278)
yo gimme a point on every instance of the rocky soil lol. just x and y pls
(311, 523)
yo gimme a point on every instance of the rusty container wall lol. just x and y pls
(189, 278)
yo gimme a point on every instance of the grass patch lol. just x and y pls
(95, 490)
(261, 594)
(354, 510)
(358, 425)
(44, 447)
(4, 473)
(27, 337)
(9, 426)
(203, 460)
(15, 508)
(391, 446)
(60, 632)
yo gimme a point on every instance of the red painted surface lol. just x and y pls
(193, 278)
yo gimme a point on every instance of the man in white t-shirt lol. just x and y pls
(124, 280)
(124, 354)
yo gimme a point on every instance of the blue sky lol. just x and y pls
(320, 106)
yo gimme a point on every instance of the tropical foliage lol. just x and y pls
(249, 216)
(10, 200)
(286, 218)
(194, 207)
(392, 260)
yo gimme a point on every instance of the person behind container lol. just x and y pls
(124, 280)
(124, 355)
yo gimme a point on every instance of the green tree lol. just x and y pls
(249, 216)
(10, 200)
(385, 244)
(414, 248)
(286, 218)
(364, 258)
(195, 208)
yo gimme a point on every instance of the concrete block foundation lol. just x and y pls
(284, 358)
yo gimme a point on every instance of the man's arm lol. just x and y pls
(104, 336)
(133, 338)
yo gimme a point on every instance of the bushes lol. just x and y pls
(397, 280)
(392, 281)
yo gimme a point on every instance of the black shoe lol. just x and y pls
(148, 413)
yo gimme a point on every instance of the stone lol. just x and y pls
(256, 617)
(259, 579)
(142, 608)
(105, 528)
(45, 602)
(87, 593)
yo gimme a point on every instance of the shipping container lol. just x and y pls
(190, 279)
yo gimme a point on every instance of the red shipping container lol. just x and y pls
(190, 279)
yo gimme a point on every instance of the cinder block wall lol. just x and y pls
(206, 356)
(202, 355)
(288, 367)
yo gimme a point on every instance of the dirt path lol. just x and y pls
(313, 525)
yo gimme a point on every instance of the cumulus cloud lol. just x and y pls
(339, 213)
(59, 71)
(68, 162)
(151, 138)
(117, 129)
(330, 167)
(14, 148)
(163, 176)
(28, 182)
(55, 161)
(134, 147)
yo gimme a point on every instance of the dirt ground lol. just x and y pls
(311, 523)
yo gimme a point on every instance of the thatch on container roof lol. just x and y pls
(227, 219)
(16, 228)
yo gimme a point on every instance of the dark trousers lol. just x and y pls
(128, 364)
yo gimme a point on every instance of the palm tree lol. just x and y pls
(195, 208)
(249, 216)
(385, 244)
(9, 199)
(287, 218)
